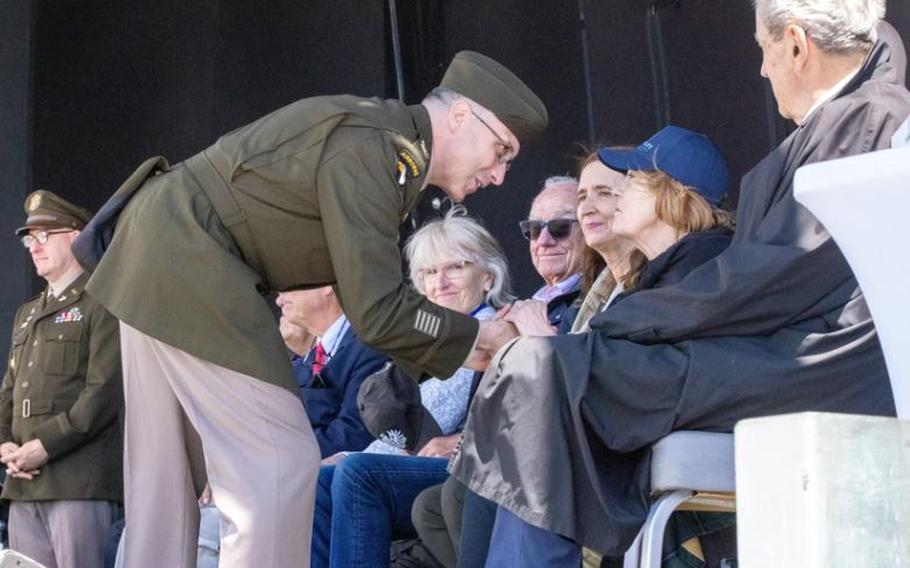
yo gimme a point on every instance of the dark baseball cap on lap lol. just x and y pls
(46, 210)
(687, 156)
(391, 409)
(489, 83)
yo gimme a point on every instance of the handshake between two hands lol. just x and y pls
(524, 317)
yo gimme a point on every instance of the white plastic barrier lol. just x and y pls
(818, 490)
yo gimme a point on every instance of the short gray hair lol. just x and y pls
(836, 26)
(558, 180)
(444, 96)
(459, 234)
(555, 181)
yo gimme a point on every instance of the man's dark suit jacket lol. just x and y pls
(331, 398)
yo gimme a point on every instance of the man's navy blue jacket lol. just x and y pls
(331, 398)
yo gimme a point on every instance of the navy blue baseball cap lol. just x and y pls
(687, 156)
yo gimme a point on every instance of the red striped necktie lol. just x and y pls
(319, 359)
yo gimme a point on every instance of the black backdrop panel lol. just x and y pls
(15, 66)
(116, 82)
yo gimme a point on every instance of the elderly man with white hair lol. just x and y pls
(776, 323)
(556, 246)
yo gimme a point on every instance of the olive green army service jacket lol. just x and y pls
(63, 386)
(309, 195)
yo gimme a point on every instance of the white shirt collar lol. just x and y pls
(831, 93)
(55, 293)
(331, 339)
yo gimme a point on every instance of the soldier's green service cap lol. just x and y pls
(488, 82)
(46, 210)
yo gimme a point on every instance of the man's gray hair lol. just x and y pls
(555, 181)
(444, 96)
(558, 180)
(836, 26)
(457, 235)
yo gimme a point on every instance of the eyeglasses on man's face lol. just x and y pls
(451, 270)
(41, 237)
(558, 228)
(505, 155)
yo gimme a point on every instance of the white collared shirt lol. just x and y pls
(830, 93)
(332, 337)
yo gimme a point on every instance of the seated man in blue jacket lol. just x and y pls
(330, 373)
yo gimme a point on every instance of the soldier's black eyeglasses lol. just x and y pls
(41, 237)
(504, 158)
(558, 228)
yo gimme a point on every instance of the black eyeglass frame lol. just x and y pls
(41, 236)
(505, 158)
(559, 229)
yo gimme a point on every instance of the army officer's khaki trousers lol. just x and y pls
(257, 451)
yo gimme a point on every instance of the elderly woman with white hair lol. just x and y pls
(363, 499)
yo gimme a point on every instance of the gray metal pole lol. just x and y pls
(396, 49)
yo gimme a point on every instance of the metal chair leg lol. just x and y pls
(652, 533)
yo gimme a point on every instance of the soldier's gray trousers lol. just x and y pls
(187, 420)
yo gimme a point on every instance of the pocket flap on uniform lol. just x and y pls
(66, 331)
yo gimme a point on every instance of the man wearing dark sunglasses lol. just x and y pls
(556, 245)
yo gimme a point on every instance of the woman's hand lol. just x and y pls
(440, 446)
(335, 459)
(530, 317)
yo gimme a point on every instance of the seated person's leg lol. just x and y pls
(517, 544)
(322, 518)
(477, 518)
(452, 501)
(430, 524)
(376, 493)
(112, 545)
(209, 537)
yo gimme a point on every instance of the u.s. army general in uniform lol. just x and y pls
(309, 195)
(60, 400)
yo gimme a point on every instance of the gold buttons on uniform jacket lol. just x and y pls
(25, 384)
(31, 363)
(35, 343)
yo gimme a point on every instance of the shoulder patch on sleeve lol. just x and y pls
(411, 162)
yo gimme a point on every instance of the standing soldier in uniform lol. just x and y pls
(309, 195)
(59, 403)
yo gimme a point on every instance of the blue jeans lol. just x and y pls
(364, 502)
(517, 544)
(477, 520)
